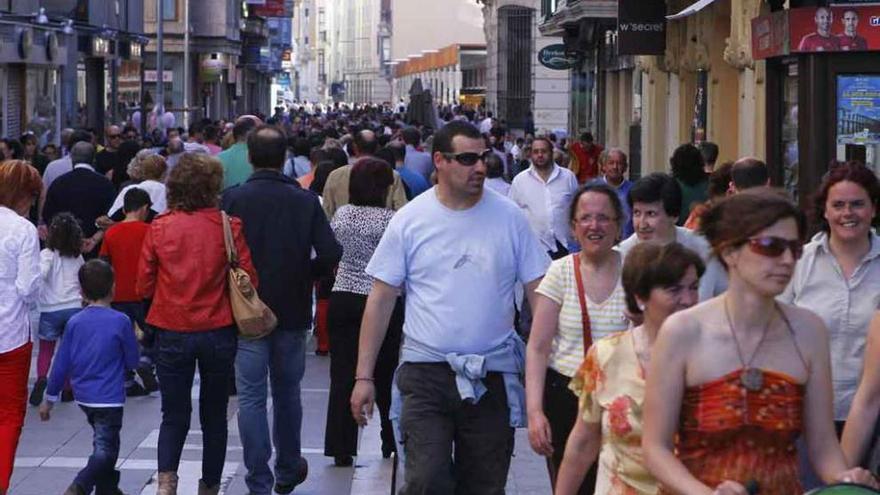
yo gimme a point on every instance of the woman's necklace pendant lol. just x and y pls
(752, 379)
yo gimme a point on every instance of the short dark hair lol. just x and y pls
(411, 136)
(687, 164)
(649, 265)
(267, 147)
(587, 137)
(444, 136)
(386, 155)
(709, 150)
(301, 147)
(134, 199)
(79, 136)
(96, 279)
(369, 182)
(242, 128)
(337, 156)
(719, 180)
(65, 235)
(545, 139)
(749, 172)
(494, 166)
(657, 187)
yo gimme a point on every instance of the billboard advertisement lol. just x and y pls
(840, 28)
(858, 109)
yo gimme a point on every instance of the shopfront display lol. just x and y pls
(858, 119)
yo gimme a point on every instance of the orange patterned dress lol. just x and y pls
(729, 433)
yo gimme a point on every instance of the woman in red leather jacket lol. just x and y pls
(183, 268)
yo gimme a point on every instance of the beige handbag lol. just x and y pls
(253, 318)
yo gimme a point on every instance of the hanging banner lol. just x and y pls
(641, 27)
(835, 29)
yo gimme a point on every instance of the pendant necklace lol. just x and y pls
(751, 378)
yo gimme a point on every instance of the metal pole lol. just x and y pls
(186, 65)
(160, 76)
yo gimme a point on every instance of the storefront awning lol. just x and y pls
(691, 9)
(572, 12)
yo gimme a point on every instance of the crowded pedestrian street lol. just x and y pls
(457, 247)
(51, 454)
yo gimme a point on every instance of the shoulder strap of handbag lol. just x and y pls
(585, 315)
(231, 254)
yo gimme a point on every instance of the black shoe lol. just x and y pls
(343, 460)
(37, 393)
(67, 396)
(135, 390)
(302, 474)
(321, 353)
(149, 379)
(387, 450)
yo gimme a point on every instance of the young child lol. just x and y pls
(122, 248)
(60, 294)
(98, 347)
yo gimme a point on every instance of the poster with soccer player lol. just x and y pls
(835, 29)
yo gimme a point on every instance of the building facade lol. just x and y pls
(455, 74)
(359, 36)
(516, 84)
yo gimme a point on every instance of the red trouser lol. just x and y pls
(321, 332)
(14, 368)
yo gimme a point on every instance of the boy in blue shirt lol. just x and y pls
(98, 347)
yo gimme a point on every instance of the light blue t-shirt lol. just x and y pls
(459, 269)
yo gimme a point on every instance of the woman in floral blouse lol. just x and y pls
(658, 281)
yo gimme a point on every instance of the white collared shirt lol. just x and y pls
(84, 165)
(19, 278)
(546, 204)
(845, 305)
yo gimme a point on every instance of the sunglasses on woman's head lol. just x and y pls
(468, 158)
(775, 247)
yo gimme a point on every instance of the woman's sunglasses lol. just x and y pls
(775, 247)
(468, 158)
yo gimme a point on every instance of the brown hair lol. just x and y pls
(650, 264)
(194, 183)
(851, 171)
(153, 167)
(18, 181)
(733, 220)
(369, 183)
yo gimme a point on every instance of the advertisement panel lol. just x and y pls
(858, 109)
(835, 29)
(770, 35)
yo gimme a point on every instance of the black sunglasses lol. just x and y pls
(468, 158)
(775, 247)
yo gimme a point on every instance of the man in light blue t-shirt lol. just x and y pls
(457, 251)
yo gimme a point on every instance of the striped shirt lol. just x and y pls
(606, 318)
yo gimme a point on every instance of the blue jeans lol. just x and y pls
(52, 323)
(100, 472)
(280, 357)
(178, 354)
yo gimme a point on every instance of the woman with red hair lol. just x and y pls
(20, 186)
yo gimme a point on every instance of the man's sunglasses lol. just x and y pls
(468, 158)
(775, 247)
(114, 136)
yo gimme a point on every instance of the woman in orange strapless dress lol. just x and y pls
(735, 380)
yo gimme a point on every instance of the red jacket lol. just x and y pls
(183, 268)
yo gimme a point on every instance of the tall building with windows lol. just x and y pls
(358, 35)
(309, 53)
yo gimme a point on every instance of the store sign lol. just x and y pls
(641, 27)
(274, 8)
(554, 57)
(835, 29)
(858, 109)
(770, 35)
(150, 76)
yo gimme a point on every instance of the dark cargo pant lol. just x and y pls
(452, 446)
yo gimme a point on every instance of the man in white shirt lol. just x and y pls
(486, 124)
(457, 252)
(544, 193)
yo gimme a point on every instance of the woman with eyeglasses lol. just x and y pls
(579, 301)
(734, 381)
(659, 280)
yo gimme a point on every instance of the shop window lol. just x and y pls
(790, 154)
(169, 10)
(41, 107)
